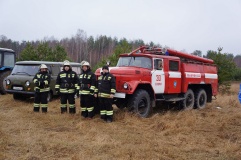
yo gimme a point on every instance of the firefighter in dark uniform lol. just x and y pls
(105, 90)
(87, 88)
(41, 81)
(67, 86)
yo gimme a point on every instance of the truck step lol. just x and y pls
(175, 99)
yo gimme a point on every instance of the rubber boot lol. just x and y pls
(91, 114)
(44, 110)
(84, 114)
(109, 119)
(63, 109)
(103, 117)
(72, 110)
(36, 109)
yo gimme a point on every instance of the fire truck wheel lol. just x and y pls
(201, 99)
(188, 102)
(141, 103)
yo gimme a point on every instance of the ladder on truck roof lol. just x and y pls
(170, 52)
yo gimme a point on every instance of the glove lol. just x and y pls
(37, 83)
(42, 84)
(91, 91)
(57, 91)
(37, 90)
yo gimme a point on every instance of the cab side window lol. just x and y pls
(76, 69)
(173, 65)
(158, 64)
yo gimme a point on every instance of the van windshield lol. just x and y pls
(30, 70)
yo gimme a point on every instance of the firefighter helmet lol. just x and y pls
(43, 66)
(86, 63)
(66, 63)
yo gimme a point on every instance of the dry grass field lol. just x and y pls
(213, 133)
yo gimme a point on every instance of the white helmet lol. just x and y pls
(43, 66)
(66, 63)
(85, 63)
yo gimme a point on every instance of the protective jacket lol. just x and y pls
(105, 85)
(67, 82)
(42, 81)
(87, 82)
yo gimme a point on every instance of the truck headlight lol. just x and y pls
(8, 82)
(27, 83)
(125, 86)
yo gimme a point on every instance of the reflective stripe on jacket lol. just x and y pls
(105, 85)
(43, 77)
(87, 82)
(67, 81)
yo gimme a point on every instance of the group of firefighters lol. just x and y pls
(69, 84)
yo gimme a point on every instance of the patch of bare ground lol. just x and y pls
(212, 133)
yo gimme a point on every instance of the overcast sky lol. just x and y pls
(180, 24)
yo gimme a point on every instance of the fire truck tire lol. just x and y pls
(3, 76)
(188, 102)
(141, 103)
(201, 99)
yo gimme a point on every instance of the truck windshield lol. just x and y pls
(30, 70)
(143, 62)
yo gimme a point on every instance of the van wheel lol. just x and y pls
(17, 96)
(201, 99)
(141, 103)
(50, 96)
(188, 102)
(3, 77)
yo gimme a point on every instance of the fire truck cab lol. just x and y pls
(151, 74)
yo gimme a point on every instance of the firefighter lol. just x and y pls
(67, 86)
(41, 81)
(87, 87)
(105, 90)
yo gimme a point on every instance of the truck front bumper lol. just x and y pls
(20, 92)
(120, 95)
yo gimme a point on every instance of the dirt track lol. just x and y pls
(211, 133)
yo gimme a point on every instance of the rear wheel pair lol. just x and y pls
(198, 100)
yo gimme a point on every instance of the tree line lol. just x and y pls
(77, 48)
(97, 50)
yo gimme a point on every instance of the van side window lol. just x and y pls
(55, 70)
(76, 69)
(173, 65)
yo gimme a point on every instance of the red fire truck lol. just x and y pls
(151, 74)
